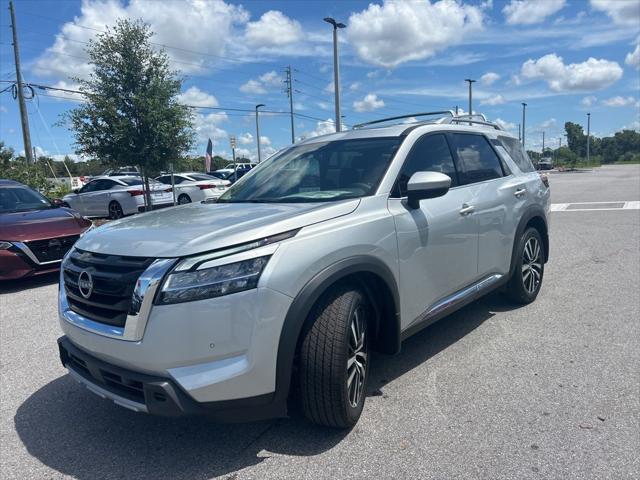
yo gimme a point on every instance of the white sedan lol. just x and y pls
(195, 187)
(115, 197)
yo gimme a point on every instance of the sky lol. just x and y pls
(564, 58)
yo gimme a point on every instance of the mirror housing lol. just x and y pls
(423, 185)
(56, 202)
(76, 191)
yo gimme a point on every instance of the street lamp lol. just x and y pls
(258, 129)
(588, 134)
(524, 107)
(471, 82)
(336, 71)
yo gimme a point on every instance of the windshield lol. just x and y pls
(17, 199)
(318, 172)
(221, 174)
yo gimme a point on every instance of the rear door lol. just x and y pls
(496, 193)
(437, 243)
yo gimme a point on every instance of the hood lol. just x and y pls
(200, 227)
(41, 224)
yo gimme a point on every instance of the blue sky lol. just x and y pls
(564, 58)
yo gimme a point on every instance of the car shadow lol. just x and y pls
(13, 286)
(74, 432)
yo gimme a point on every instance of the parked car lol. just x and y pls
(545, 164)
(115, 197)
(195, 187)
(338, 246)
(227, 173)
(34, 233)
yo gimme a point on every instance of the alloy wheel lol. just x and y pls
(531, 265)
(115, 211)
(357, 357)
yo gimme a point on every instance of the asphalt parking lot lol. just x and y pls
(546, 391)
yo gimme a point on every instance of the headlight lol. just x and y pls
(5, 245)
(187, 286)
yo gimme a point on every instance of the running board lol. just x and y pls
(452, 303)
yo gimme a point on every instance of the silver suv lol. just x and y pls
(335, 247)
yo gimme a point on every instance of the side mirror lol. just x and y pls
(424, 185)
(56, 202)
(76, 191)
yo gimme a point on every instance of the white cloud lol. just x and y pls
(63, 96)
(254, 87)
(635, 125)
(262, 84)
(588, 101)
(622, 12)
(489, 78)
(592, 74)
(208, 126)
(508, 126)
(619, 101)
(196, 97)
(550, 123)
(172, 24)
(329, 88)
(3, 109)
(274, 29)
(369, 103)
(398, 32)
(266, 141)
(528, 12)
(633, 58)
(495, 100)
(355, 86)
(246, 139)
(322, 128)
(323, 105)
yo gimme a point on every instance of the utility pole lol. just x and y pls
(519, 133)
(543, 143)
(336, 71)
(456, 110)
(524, 108)
(471, 82)
(588, 134)
(289, 83)
(24, 119)
(232, 142)
(258, 129)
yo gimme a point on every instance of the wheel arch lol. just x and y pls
(534, 217)
(378, 283)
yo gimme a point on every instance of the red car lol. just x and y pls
(34, 232)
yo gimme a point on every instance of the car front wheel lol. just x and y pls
(334, 358)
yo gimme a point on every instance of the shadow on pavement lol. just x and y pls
(13, 286)
(76, 433)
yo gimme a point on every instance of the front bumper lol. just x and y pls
(157, 395)
(15, 265)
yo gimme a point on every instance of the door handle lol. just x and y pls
(520, 192)
(467, 209)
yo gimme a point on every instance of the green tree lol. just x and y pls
(132, 115)
(576, 138)
(6, 154)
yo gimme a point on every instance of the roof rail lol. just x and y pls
(466, 119)
(400, 117)
(471, 116)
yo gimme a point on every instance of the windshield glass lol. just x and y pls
(318, 172)
(221, 174)
(16, 199)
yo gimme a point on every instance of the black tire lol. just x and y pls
(184, 198)
(115, 211)
(526, 280)
(327, 347)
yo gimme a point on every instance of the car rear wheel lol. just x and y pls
(115, 211)
(334, 358)
(526, 280)
(184, 198)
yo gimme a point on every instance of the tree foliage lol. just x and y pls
(622, 146)
(131, 115)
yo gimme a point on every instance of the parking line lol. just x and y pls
(586, 206)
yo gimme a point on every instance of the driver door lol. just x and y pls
(438, 242)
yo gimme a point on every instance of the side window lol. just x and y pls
(89, 187)
(102, 185)
(430, 153)
(477, 161)
(517, 153)
(166, 179)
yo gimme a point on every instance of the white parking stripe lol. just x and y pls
(586, 206)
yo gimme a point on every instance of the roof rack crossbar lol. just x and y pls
(478, 122)
(400, 117)
(467, 115)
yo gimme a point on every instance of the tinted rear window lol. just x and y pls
(517, 153)
(477, 160)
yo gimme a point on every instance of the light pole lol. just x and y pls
(232, 142)
(471, 82)
(336, 71)
(588, 134)
(524, 108)
(258, 129)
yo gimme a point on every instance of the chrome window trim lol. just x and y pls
(141, 303)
